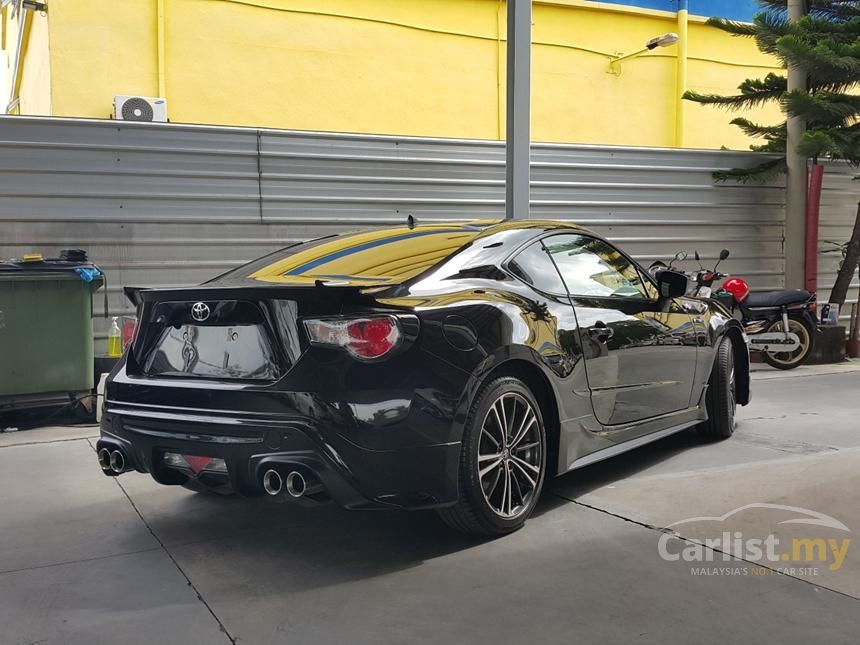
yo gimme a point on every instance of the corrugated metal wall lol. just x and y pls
(838, 211)
(159, 205)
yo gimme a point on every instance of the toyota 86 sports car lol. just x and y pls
(453, 367)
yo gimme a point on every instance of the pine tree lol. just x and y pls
(825, 44)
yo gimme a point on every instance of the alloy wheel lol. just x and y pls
(510, 455)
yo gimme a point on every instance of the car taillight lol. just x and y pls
(365, 338)
(129, 329)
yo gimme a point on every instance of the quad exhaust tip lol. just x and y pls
(117, 462)
(104, 459)
(296, 484)
(273, 484)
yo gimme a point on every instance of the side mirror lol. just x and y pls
(724, 254)
(671, 284)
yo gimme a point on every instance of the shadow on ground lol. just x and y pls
(325, 545)
(584, 480)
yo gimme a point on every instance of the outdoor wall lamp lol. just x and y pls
(33, 5)
(660, 41)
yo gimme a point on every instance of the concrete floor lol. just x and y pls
(87, 559)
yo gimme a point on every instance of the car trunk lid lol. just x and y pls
(235, 334)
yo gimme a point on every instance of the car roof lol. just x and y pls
(376, 257)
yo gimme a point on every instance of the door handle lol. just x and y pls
(601, 332)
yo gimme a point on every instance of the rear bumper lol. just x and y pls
(355, 477)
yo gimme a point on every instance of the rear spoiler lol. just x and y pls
(133, 293)
(137, 295)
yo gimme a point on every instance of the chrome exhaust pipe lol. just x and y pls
(273, 484)
(297, 486)
(104, 459)
(117, 462)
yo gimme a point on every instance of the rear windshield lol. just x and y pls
(389, 256)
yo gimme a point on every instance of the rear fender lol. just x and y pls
(807, 317)
(721, 326)
(743, 393)
(479, 375)
(514, 356)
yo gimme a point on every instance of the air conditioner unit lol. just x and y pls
(139, 108)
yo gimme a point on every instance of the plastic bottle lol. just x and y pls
(114, 339)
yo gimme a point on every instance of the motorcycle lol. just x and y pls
(781, 325)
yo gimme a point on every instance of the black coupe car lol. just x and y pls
(454, 367)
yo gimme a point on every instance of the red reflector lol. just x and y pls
(196, 464)
(129, 327)
(372, 338)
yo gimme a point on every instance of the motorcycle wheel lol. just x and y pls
(790, 360)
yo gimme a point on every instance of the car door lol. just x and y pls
(640, 351)
(549, 318)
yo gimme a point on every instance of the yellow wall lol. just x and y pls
(419, 67)
(708, 127)
(309, 71)
(101, 48)
(35, 88)
(5, 58)
(575, 99)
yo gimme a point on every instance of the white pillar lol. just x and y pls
(518, 133)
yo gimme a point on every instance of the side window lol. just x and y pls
(533, 266)
(591, 267)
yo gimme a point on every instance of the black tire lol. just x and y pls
(476, 511)
(790, 360)
(721, 398)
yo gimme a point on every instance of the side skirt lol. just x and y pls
(632, 444)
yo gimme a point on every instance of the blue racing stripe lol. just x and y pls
(353, 277)
(313, 264)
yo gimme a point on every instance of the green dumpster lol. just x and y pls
(46, 332)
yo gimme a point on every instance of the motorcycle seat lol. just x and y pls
(776, 298)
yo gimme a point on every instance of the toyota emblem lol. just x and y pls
(200, 311)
